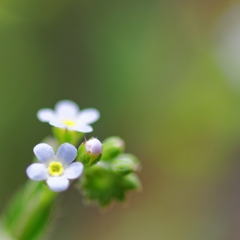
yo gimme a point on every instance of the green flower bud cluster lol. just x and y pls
(113, 176)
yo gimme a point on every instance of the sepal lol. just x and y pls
(64, 135)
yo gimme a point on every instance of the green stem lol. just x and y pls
(29, 212)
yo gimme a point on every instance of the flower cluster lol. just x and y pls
(107, 172)
(58, 169)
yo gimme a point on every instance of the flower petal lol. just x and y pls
(43, 152)
(74, 170)
(58, 184)
(66, 108)
(37, 172)
(88, 116)
(45, 115)
(57, 123)
(66, 153)
(81, 128)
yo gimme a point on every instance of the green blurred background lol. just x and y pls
(160, 74)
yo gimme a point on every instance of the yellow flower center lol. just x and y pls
(55, 168)
(69, 123)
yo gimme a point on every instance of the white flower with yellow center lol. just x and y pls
(67, 115)
(56, 170)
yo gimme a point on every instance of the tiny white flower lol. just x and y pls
(67, 115)
(56, 170)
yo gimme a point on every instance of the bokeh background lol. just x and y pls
(165, 76)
